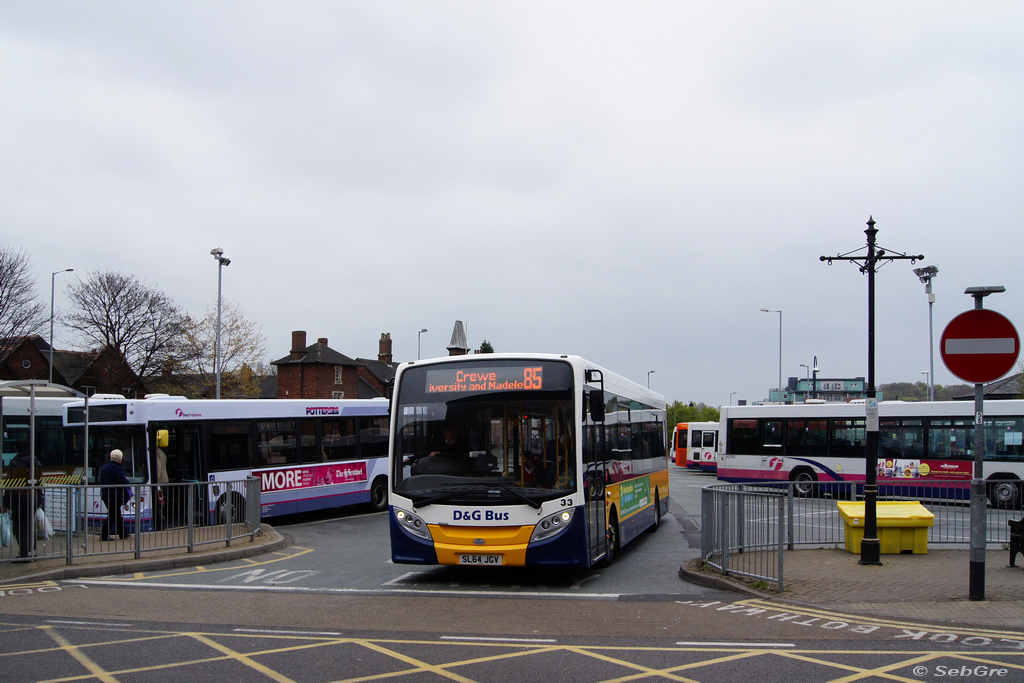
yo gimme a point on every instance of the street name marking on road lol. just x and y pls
(864, 625)
(16, 590)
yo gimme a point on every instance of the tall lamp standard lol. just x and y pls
(418, 342)
(649, 373)
(869, 263)
(222, 261)
(925, 275)
(53, 282)
(765, 310)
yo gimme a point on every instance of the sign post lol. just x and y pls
(979, 346)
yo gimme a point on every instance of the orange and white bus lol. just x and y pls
(701, 439)
(522, 460)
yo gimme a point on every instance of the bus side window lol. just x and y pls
(339, 440)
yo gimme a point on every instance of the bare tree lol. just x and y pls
(241, 353)
(139, 321)
(21, 313)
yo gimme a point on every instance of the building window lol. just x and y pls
(26, 363)
(338, 394)
(337, 375)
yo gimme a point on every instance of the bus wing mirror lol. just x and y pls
(596, 401)
(163, 437)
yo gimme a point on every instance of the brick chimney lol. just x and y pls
(322, 341)
(384, 352)
(298, 344)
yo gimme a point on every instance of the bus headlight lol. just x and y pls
(552, 525)
(412, 524)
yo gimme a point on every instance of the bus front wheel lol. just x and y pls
(379, 494)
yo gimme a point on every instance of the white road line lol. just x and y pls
(85, 623)
(350, 591)
(711, 644)
(501, 640)
(287, 633)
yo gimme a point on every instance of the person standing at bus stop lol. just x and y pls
(115, 494)
(22, 504)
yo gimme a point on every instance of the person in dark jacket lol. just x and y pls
(114, 497)
(22, 503)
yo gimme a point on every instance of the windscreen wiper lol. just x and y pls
(522, 496)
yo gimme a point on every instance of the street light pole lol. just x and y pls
(870, 547)
(418, 342)
(53, 283)
(925, 275)
(649, 373)
(814, 381)
(765, 310)
(222, 261)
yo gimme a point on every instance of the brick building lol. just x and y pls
(103, 371)
(318, 371)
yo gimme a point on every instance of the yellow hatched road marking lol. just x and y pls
(73, 650)
(861, 673)
(440, 670)
(709, 657)
(242, 659)
(670, 671)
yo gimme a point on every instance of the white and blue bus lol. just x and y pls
(522, 460)
(308, 454)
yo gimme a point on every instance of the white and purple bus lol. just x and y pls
(918, 443)
(308, 454)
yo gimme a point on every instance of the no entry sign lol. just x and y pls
(979, 346)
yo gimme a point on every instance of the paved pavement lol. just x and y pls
(931, 587)
(56, 568)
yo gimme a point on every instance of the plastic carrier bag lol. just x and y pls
(6, 529)
(44, 529)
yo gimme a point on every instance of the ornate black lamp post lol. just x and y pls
(870, 262)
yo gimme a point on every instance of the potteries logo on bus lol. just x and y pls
(178, 412)
(327, 410)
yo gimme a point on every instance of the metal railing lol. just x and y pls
(746, 528)
(71, 521)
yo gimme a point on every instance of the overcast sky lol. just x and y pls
(627, 181)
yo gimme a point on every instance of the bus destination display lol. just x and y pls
(484, 378)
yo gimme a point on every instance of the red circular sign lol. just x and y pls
(979, 346)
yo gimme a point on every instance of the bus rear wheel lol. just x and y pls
(657, 514)
(1004, 493)
(803, 482)
(612, 533)
(379, 494)
(237, 509)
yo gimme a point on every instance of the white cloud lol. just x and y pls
(629, 181)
